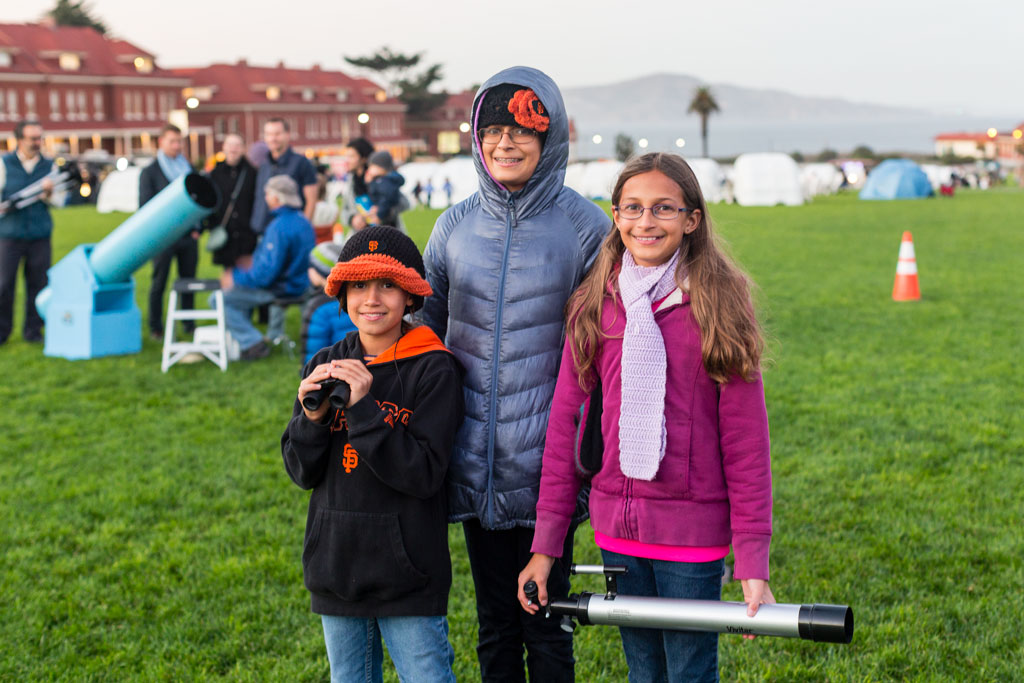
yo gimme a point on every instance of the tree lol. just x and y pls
(704, 105)
(69, 13)
(623, 147)
(415, 92)
(797, 156)
(828, 155)
(411, 89)
(863, 152)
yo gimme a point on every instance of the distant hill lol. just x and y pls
(664, 98)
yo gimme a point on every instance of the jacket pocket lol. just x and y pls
(358, 556)
(674, 471)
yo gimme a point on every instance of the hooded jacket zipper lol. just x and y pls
(510, 219)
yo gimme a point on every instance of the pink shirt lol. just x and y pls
(657, 551)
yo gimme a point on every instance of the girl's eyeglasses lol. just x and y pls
(661, 211)
(493, 134)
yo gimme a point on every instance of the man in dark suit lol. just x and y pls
(169, 165)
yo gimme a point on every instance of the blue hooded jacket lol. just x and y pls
(281, 260)
(502, 266)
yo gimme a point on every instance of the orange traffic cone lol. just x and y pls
(905, 288)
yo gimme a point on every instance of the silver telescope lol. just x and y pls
(817, 622)
(62, 177)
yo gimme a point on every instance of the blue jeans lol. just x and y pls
(418, 646)
(669, 656)
(238, 305)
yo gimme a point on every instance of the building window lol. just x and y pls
(137, 104)
(97, 106)
(307, 95)
(342, 95)
(127, 105)
(5, 59)
(218, 127)
(273, 92)
(83, 108)
(30, 104)
(55, 105)
(69, 104)
(69, 61)
(143, 65)
(12, 104)
(151, 105)
(233, 126)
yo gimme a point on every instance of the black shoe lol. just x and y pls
(35, 338)
(156, 335)
(255, 352)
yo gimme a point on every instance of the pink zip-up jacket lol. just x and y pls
(714, 485)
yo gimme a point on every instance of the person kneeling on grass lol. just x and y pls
(375, 557)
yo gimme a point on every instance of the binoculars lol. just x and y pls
(334, 390)
(820, 623)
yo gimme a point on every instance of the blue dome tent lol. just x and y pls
(897, 179)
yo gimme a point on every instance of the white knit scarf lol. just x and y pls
(642, 411)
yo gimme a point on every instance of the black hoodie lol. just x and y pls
(376, 534)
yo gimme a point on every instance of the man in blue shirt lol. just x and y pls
(283, 160)
(278, 266)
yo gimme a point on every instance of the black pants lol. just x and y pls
(496, 558)
(186, 250)
(36, 255)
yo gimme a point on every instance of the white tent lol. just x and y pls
(594, 179)
(417, 171)
(119, 191)
(574, 176)
(821, 178)
(767, 179)
(710, 177)
(938, 175)
(461, 173)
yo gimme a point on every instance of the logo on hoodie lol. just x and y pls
(349, 458)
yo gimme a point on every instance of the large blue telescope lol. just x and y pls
(89, 306)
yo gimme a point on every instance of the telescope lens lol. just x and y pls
(826, 623)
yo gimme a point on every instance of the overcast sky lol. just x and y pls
(938, 55)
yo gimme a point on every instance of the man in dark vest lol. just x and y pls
(170, 164)
(25, 233)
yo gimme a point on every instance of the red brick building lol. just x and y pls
(324, 109)
(87, 90)
(447, 130)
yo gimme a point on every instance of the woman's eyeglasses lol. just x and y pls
(493, 134)
(661, 211)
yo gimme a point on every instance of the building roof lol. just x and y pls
(36, 49)
(972, 137)
(244, 83)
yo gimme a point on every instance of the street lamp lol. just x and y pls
(464, 127)
(192, 102)
(680, 142)
(597, 139)
(363, 118)
(642, 143)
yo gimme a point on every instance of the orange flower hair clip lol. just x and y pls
(528, 110)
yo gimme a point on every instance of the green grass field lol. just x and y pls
(149, 531)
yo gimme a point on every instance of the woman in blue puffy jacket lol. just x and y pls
(502, 265)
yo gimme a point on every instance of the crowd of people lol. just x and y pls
(459, 381)
(464, 382)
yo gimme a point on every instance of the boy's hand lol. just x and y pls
(355, 373)
(538, 569)
(312, 383)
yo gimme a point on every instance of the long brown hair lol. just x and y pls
(731, 338)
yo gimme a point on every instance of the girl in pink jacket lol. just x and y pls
(664, 324)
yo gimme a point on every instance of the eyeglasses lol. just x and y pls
(493, 134)
(663, 212)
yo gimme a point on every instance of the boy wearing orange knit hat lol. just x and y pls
(375, 557)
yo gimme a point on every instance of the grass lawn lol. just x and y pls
(149, 531)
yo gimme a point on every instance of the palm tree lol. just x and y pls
(703, 104)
